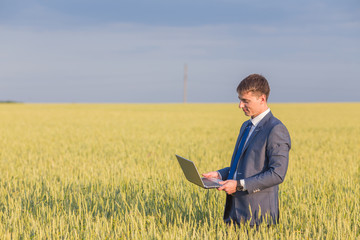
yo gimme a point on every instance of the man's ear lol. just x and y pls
(263, 98)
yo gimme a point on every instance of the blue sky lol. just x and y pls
(135, 51)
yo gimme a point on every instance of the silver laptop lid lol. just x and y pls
(190, 171)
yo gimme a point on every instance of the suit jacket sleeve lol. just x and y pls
(277, 152)
(224, 173)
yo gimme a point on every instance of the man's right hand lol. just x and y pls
(211, 175)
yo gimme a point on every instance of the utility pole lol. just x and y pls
(185, 82)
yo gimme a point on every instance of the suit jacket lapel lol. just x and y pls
(256, 131)
(253, 135)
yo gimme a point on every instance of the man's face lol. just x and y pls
(252, 104)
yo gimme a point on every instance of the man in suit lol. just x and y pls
(259, 162)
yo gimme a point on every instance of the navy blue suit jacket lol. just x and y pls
(263, 165)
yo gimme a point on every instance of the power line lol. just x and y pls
(185, 82)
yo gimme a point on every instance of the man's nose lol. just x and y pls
(241, 104)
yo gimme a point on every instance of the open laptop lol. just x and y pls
(192, 174)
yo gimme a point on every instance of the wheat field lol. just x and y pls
(108, 171)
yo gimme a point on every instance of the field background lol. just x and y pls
(97, 171)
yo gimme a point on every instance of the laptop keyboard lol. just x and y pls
(210, 183)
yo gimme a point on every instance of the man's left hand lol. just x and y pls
(229, 186)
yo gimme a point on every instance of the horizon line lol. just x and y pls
(290, 102)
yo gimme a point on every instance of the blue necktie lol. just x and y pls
(239, 150)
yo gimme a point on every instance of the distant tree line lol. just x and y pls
(9, 101)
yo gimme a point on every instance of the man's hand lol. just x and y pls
(229, 186)
(211, 175)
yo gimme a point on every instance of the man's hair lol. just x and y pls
(256, 84)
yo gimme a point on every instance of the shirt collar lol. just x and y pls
(255, 121)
